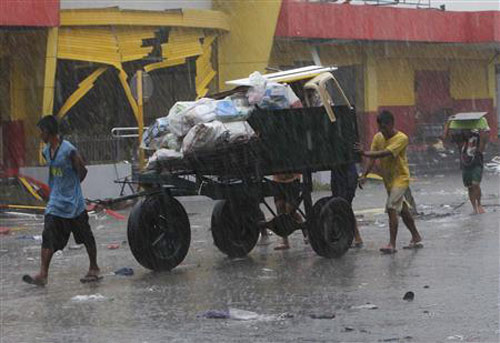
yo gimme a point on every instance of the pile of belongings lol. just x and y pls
(204, 124)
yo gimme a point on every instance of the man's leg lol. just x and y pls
(477, 196)
(410, 224)
(393, 227)
(83, 235)
(53, 235)
(358, 241)
(472, 197)
(281, 209)
(90, 246)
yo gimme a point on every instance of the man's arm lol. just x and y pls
(78, 165)
(483, 139)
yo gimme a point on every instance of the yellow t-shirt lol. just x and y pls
(395, 171)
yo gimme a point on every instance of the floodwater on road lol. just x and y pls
(297, 295)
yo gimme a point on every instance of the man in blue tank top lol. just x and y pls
(65, 212)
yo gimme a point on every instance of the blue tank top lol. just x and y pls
(66, 198)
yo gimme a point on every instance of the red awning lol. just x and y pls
(37, 13)
(370, 23)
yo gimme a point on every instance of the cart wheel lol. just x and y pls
(235, 227)
(159, 235)
(331, 229)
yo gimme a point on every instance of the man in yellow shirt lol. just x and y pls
(389, 146)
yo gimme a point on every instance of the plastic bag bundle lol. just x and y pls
(153, 136)
(184, 115)
(257, 88)
(234, 108)
(204, 136)
(275, 97)
(239, 131)
(162, 155)
(171, 141)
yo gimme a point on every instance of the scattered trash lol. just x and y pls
(214, 314)
(4, 251)
(455, 338)
(4, 231)
(37, 238)
(395, 339)
(267, 270)
(76, 247)
(100, 227)
(322, 316)
(426, 312)
(31, 259)
(125, 271)
(58, 253)
(243, 315)
(286, 315)
(409, 296)
(427, 286)
(348, 329)
(494, 165)
(92, 297)
(238, 314)
(367, 306)
(114, 214)
(113, 246)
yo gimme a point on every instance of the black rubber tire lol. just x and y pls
(331, 230)
(235, 229)
(159, 235)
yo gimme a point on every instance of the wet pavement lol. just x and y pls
(454, 278)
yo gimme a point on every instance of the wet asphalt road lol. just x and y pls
(455, 279)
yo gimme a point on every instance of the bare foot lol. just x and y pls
(92, 276)
(357, 244)
(388, 249)
(480, 210)
(35, 280)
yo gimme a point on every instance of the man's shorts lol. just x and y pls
(343, 182)
(396, 199)
(289, 192)
(472, 176)
(57, 230)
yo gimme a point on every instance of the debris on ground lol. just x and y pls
(455, 338)
(76, 247)
(366, 306)
(395, 339)
(409, 296)
(125, 271)
(427, 286)
(348, 329)
(494, 165)
(243, 315)
(214, 314)
(92, 297)
(113, 246)
(4, 231)
(322, 316)
(37, 238)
